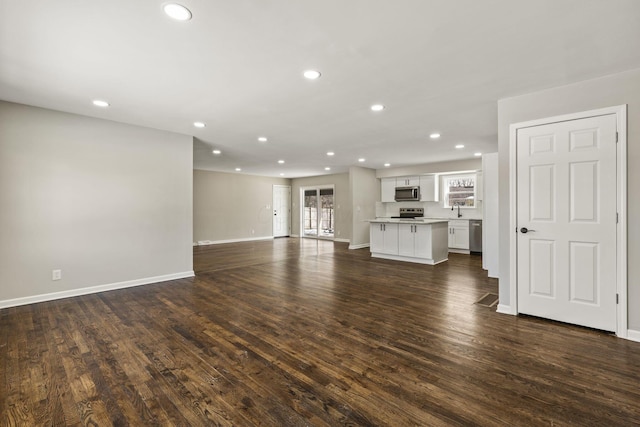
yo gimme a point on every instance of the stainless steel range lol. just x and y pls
(409, 213)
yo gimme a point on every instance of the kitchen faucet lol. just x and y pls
(459, 214)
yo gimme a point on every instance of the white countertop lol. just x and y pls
(408, 221)
(418, 220)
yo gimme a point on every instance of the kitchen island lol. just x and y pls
(423, 241)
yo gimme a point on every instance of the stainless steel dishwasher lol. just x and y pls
(475, 235)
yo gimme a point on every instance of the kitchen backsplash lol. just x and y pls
(431, 210)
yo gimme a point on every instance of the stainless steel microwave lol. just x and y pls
(407, 194)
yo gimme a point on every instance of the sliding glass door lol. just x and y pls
(318, 213)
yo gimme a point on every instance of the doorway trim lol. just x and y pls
(621, 201)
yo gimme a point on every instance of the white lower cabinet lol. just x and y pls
(414, 240)
(424, 243)
(459, 234)
(384, 238)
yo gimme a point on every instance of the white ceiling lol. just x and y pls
(437, 65)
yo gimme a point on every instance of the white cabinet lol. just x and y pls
(408, 181)
(388, 190)
(459, 234)
(429, 188)
(414, 240)
(384, 238)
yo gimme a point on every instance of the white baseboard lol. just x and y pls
(633, 335)
(92, 289)
(363, 245)
(459, 251)
(341, 240)
(219, 242)
(505, 309)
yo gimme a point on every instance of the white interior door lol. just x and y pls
(566, 220)
(281, 210)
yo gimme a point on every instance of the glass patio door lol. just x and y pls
(318, 213)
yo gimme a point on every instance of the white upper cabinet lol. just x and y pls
(408, 181)
(429, 188)
(388, 190)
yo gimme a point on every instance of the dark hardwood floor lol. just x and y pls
(302, 332)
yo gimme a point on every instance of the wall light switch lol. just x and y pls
(56, 274)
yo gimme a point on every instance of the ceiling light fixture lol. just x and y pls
(238, 169)
(262, 138)
(100, 103)
(327, 168)
(459, 146)
(386, 165)
(434, 136)
(281, 161)
(377, 107)
(477, 154)
(199, 124)
(216, 152)
(282, 174)
(311, 74)
(177, 11)
(361, 160)
(330, 153)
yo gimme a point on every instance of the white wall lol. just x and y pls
(365, 191)
(427, 168)
(229, 206)
(491, 220)
(109, 204)
(613, 90)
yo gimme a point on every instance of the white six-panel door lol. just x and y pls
(281, 210)
(566, 219)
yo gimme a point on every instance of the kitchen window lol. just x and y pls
(459, 190)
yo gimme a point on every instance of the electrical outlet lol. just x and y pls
(56, 274)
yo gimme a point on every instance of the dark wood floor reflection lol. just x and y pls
(302, 332)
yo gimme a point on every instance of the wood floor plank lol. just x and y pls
(300, 332)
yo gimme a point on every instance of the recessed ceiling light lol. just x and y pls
(238, 169)
(386, 165)
(330, 153)
(216, 152)
(311, 74)
(177, 11)
(327, 168)
(199, 124)
(100, 103)
(477, 154)
(361, 160)
(377, 107)
(434, 136)
(281, 161)
(282, 174)
(459, 146)
(262, 138)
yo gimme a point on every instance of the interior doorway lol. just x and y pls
(318, 214)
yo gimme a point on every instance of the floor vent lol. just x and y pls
(488, 300)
